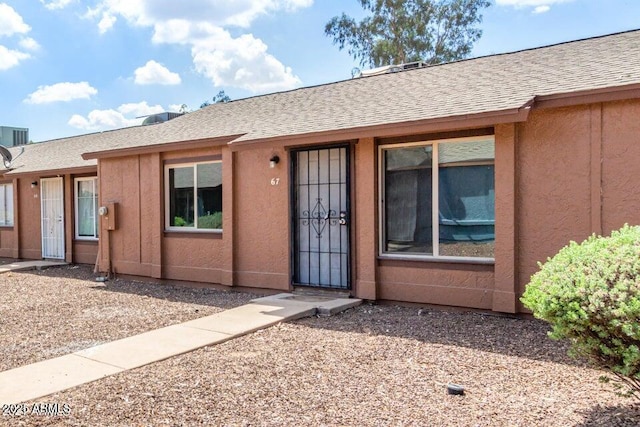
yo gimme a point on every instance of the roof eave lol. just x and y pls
(467, 121)
(585, 97)
(17, 173)
(162, 147)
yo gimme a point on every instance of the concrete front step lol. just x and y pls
(324, 304)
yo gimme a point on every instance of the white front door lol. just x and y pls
(52, 209)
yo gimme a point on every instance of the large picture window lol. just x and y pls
(438, 199)
(6, 205)
(194, 196)
(86, 192)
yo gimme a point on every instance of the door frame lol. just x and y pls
(62, 215)
(293, 167)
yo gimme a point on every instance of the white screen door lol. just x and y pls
(52, 207)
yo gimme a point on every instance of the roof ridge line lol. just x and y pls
(535, 48)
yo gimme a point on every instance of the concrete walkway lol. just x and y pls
(54, 375)
(30, 265)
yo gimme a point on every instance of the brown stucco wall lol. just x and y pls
(262, 220)
(123, 182)
(364, 214)
(505, 255)
(7, 242)
(139, 245)
(561, 175)
(554, 185)
(576, 174)
(462, 285)
(200, 257)
(84, 252)
(255, 244)
(30, 235)
(620, 166)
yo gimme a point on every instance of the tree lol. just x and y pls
(402, 31)
(220, 97)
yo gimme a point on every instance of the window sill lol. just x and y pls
(6, 227)
(440, 259)
(81, 240)
(195, 234)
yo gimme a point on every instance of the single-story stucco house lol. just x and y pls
(441, 185)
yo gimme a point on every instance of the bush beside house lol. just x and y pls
(590, 294)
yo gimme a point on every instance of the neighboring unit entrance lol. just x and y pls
(321, 218)
(52, 214)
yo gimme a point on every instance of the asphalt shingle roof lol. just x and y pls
(495, 83)
(66, 153)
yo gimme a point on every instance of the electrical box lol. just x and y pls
(110, 216)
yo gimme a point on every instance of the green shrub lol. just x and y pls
(213, 221)
(590, 294)
(178, 221)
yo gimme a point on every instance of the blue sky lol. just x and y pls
(73, 66)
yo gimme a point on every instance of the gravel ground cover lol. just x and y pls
(48, 313)
(375, 365)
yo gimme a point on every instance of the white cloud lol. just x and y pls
(106, 23)
(56, 4)
(124, 116)
(220, 13)
(156, 73)
(242, 61)
(10, 58)
(540, 6)
(11, 22)
(102, 120)
(28, 43)
(61, 92)
(140, 109)
(541, 9)
(176, 108)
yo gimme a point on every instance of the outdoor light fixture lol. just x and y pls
(34, 184)
(273, 161)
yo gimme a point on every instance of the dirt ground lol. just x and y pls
(375, 365)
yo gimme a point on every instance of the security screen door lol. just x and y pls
(321, 218)
(52, 214)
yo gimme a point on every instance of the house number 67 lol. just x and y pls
(275, 181)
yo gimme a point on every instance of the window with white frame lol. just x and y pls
(437, 199)
(6, 205)
(194, 196)
(87, 219)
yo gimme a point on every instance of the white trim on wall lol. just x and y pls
(77, 236)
